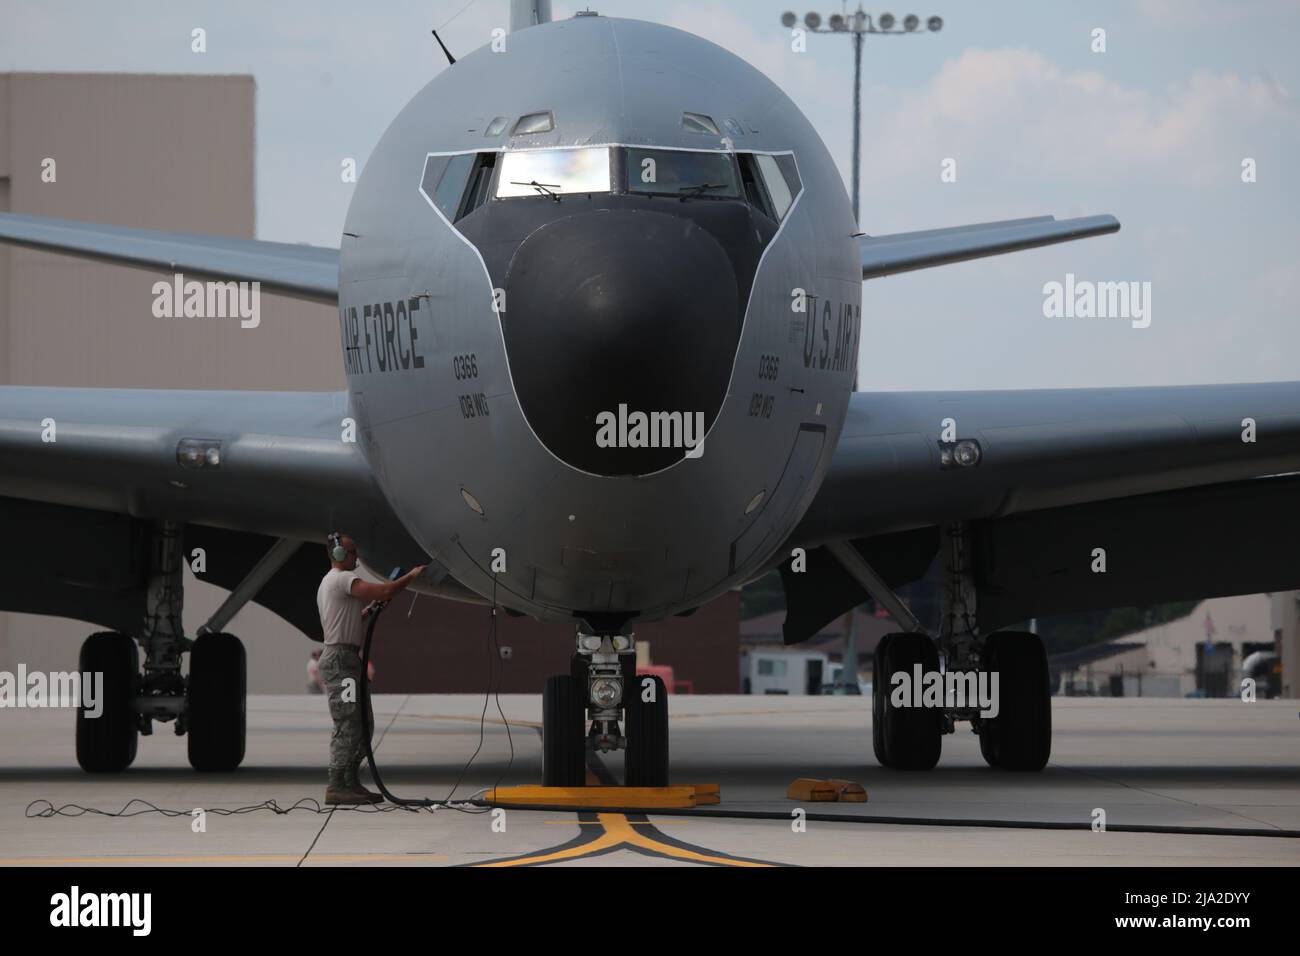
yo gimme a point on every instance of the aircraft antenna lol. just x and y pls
(450, 59)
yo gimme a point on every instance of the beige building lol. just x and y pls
(1171, 659)
(157, 152)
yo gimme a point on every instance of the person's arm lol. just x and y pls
(367, 591)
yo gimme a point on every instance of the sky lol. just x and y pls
(1153, 130)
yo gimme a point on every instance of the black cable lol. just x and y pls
(482, 717)
(863, 818)
(458, 13)
(466, 806)
(496, 650)
(495, 669)
(316, 838)
(309, 804)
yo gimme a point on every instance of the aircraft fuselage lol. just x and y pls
(538, 327)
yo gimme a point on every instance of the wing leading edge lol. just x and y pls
(269, 462)
(908, 251)
(1045, 448)
(306, 272)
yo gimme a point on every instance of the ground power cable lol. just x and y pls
(469, 805)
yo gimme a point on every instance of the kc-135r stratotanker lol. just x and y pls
(599, 300)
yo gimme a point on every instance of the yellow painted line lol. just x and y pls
(621, 832)
(232, 858)
(603, 842)
(617, 825)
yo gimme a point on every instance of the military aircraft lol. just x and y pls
(599, 296)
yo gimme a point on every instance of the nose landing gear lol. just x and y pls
(601, 704)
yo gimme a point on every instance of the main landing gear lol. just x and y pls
(208, 704)
(1011, 708)
(602, 705)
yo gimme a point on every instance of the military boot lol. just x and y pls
(337, 791)
(352, 781)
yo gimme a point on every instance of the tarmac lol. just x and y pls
(1224, 774)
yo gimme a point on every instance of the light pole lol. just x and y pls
(858, 25)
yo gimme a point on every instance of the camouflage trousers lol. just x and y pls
(340, 669)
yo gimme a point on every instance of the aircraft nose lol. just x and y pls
(611, 308)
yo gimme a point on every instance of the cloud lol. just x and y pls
(1015, 111)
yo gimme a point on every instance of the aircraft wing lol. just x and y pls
(1044, 448)
(1181, 493)
(306, 272)
(85, 472)
(270, 462)
(907, 251)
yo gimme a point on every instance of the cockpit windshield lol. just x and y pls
(554, 172)
(663, 172)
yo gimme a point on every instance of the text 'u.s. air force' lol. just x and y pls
(382, 338)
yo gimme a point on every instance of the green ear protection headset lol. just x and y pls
(338, 552)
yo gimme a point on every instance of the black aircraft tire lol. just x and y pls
(564, 740)
(912, 736)
(215, 700)
(879, 691)
(1020, 737)
(645, 761)
(107, 743)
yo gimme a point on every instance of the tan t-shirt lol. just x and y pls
(340, 612)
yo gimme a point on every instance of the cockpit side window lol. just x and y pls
(790, 171)
(458, 184)
(664, 172)
(778, 191)
(771, 182)
(451, 186)
(755, 191)
(480, 181)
